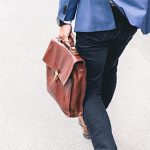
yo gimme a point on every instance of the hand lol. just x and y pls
(66, 34)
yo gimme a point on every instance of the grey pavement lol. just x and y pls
(29, 118)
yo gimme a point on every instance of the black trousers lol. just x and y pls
(101, 51)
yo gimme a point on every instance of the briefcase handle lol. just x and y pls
(71, 48)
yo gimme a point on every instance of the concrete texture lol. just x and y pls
(29, 118)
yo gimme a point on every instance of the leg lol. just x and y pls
(93, 49)
(110, 70)
(119, 40)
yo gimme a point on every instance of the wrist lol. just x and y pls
(61, 23)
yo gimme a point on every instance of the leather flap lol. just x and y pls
(59, 57)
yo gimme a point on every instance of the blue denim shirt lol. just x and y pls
(97, 15)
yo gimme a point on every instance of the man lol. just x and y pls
(102, 33)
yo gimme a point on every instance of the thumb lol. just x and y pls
(65, 39)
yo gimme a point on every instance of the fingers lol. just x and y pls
(64, 37)
(71, 39)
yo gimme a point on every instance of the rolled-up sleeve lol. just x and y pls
(67, 9)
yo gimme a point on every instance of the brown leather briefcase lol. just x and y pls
(66, 76)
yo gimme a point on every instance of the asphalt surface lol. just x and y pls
(29, 118)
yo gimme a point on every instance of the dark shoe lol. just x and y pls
(85, 130)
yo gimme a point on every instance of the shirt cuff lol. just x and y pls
(68, 22)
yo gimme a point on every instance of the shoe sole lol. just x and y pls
(87, 136)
